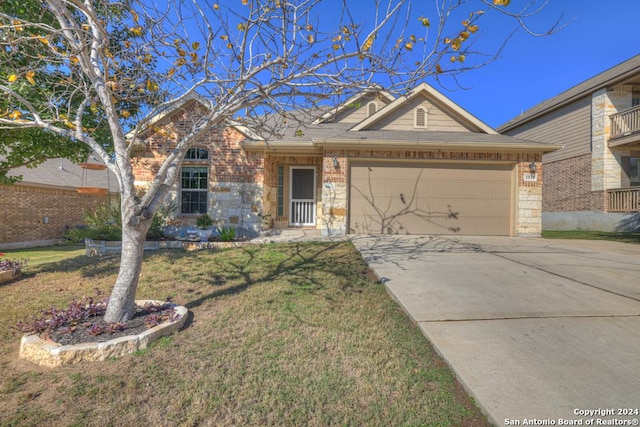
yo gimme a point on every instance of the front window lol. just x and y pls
(197, 154)
(193, 188)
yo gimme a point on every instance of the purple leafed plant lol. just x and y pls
(96, 329)
(11, 264)
(152, 320)
(81, 314)
(116, 327)
(159, 313)
(75, 314)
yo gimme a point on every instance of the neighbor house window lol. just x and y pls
(421, 118)
(635, 99)
(194, 182)
(372, 107)
(631, 167)
(634, 171)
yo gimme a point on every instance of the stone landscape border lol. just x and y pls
(51, 354)
(8, 276)
(104, 247)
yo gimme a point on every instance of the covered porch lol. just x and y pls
(623, 199)
(624, 143)
(293, 190)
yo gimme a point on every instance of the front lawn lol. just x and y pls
(626, 237)
(288, 334)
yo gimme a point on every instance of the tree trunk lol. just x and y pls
(122, 300)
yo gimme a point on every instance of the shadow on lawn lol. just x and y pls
(305, 266)
(298, 266)
(88, 267)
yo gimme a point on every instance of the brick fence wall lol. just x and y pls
(567, 186)
(23, 210)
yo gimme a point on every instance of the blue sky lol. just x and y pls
(599, 35)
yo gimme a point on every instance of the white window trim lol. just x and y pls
(415, 118)
(313, 214)
(200, 163)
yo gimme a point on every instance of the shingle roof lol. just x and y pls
(64, 174)
(339, 132)
(617, 74)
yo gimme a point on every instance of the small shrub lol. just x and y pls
(226, 234)
(204, 221)
(104, 223)
(161, 220)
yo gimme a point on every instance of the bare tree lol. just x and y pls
(73, 67)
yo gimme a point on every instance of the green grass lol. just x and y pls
(592, 235)
(45, 255)
(286, 335)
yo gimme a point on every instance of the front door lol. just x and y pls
(303, 196)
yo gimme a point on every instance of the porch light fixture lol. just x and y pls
(336, 163)
(532, 167)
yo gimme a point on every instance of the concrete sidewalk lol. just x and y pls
(535, 329)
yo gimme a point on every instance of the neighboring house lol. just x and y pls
(51, 197)
(593, 182)
(417, 164)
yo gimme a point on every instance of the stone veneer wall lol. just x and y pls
(605, 163)
(528, 217)
(23, 209)
(334, 193)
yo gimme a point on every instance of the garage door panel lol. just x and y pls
(379, 203)
(407, 224)
(391, 187)
(468, 207)
(479, 195)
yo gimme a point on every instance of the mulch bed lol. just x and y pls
(82, 333)
(92, 328)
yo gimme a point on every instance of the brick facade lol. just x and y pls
(235, 176)
(245, 187)
(33, 214)
(567, 186)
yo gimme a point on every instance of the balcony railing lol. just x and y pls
(625, 122)
(623, 200)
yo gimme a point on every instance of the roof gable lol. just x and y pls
(355, 109)
(450, 115)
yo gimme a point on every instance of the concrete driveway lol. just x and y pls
(535, 329)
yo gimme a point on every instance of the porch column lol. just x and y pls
(334, 193)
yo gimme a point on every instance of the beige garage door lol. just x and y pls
(431, 199)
